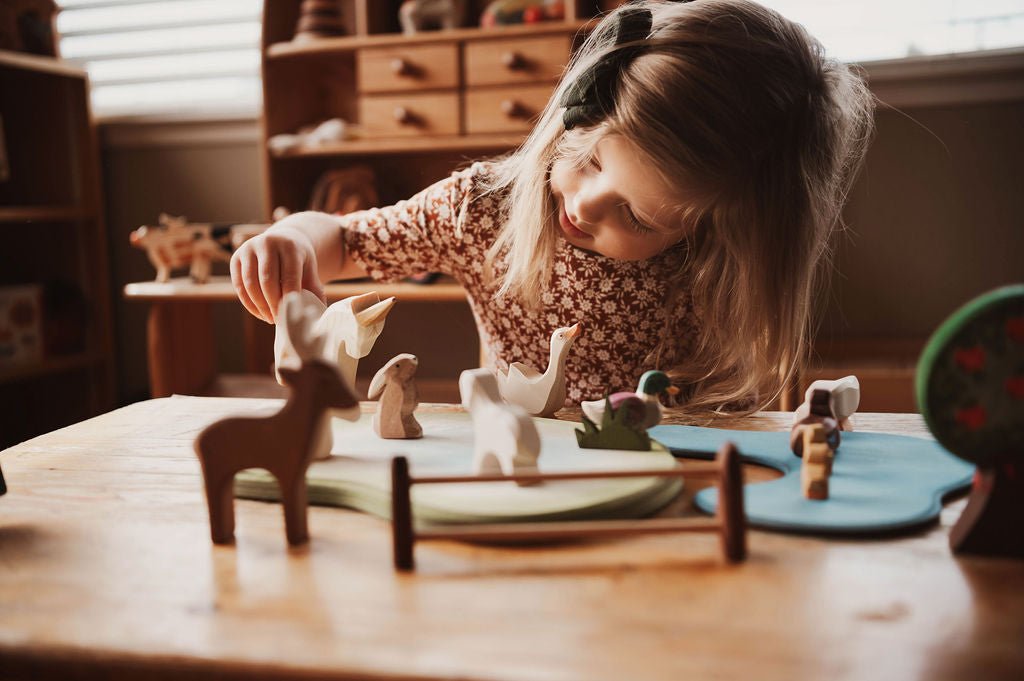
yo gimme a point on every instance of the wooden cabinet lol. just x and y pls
(439, 97)
(54, 253)
(425, 105)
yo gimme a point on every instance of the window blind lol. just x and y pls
(195, 58)
(201, 57)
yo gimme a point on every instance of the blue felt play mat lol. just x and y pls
(879, 482)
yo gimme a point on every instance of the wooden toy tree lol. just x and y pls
(970, 389)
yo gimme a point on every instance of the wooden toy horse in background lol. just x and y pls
(505, 438)
(284, 443)
(175, 242)
(349, 328)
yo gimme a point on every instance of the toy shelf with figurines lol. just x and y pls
(410, 105)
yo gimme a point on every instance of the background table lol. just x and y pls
(106, 569)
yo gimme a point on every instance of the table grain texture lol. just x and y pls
(107, 571)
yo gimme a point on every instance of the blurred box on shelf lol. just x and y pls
(21, 325)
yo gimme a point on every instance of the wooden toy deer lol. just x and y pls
(284, 443)
(349, 328)
(395, 386)
(505, 439)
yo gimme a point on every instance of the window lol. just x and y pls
(870, 30)
(198, 58)
(201, 57)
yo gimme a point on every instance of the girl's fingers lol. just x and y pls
(291, 271)
(237, 281)
(251, 281)
(311, 279)
(269, 271)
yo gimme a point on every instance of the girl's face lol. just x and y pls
(617, 205)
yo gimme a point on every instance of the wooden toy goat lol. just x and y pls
(349, 328)
(395, 386)
(505, 439)
(284, 443)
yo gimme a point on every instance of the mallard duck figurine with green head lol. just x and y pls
(643, 408)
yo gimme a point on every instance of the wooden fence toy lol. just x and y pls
(729, 521)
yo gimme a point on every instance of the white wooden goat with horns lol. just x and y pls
(349, 327)
(505, 438)
(305, 338)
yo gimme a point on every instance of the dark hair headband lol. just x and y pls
(592, 96)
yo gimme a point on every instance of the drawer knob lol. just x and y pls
(513, 109)
(402, 67)
(404, 116)
(513, 60)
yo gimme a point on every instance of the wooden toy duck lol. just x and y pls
(644, 409)
(540, 394)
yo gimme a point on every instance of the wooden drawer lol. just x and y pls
(400, 69)
(505, 109)
(410, 115)
(522, 60)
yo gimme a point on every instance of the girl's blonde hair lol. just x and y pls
(740, 107)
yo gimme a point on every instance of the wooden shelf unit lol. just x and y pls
(456, 86)
(54, 237)
(308, 82)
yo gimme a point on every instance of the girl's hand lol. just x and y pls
(281, 260)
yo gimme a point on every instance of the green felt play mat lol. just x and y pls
(358, 476)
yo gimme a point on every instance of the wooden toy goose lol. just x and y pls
(644, 409)
(540, 394)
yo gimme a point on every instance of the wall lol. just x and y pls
(204, 180)
(936, 218)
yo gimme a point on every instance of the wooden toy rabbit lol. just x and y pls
(394, 388)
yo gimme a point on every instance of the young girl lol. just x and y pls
(677, 196)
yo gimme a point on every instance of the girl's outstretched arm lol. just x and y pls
(299, 252)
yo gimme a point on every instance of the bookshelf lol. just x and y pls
(55, 251)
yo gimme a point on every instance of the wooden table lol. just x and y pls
(181, 349)
(107, 570)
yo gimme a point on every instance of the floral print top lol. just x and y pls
(621, 304)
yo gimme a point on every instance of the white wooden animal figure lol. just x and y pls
(299, 316)
(829, 403)
(426, 15)
(350, 327)
(284, 443)
(540, 394)
(844, 398)
(505, 438)
(394, 388)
